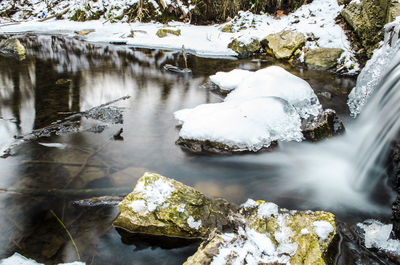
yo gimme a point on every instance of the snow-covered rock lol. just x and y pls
(372, 73)
(239, 125)
(274, 81)
(163, 206)
(264, 107)
(377, 235)
(269, 235)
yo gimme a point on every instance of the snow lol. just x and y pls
(193, 224)
(247, 125)
(266, 106)
(371, 75)
(138, 206)
(18, 259)
(317, 18)
(267, 210)
(154, 194)
(248, 247)
(274, 81)
(377, 236)
(228, 81)
(322, 229)
(250, 203)
(181, 208)
(304, 231)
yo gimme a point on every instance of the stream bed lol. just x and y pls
(62, 76)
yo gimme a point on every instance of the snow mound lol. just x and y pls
(275, 81)
(18, 259)
(377, 236)
(371, 76)
(228, 81)
(245, 125)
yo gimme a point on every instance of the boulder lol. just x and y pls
(165, 207)
(326, 124)
(13, 47)
(267, 234)
(367, 18)
(162, 33)
(322, 58)
(245, 50)
(283, 45)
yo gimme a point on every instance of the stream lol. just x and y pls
(62, 76)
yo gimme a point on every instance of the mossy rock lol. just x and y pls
(162, 206)
(63, 82)
(295, 237)
(227, 28)
(245, 50)
(367, 19)
(283, 45)
(162, 33)
(14, 48)
(322, 58)
(325, 125)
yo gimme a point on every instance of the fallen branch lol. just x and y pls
(55, 15)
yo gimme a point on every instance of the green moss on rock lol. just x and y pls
(162, 33)
(245, 50)
(184, 212)
(13, 47)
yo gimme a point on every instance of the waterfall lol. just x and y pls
(342, 172)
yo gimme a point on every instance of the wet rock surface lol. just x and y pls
(162, 206)
(283, 45)
(326, 124)
(12, 47)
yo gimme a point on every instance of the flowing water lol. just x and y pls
(297, 176)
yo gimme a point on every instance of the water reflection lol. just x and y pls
(65, 76)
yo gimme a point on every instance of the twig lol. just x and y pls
(184, 56)
(69, 234)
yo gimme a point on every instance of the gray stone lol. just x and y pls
(245, 50)
(322, 58)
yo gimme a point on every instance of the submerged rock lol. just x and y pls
(162, 33)
(13, 47)
(269, 235)
(322, 58)
(283, 45)
(245, 50)
(326, 124)
(162, 206)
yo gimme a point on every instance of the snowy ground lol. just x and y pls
(315, 19)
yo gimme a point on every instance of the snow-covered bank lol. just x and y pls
(18, 259)
(315, 20)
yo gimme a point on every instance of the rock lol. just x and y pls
(325, 125)
(283, 45)
(343, 2)
(269, 235)
(63, 82)
(162, 33)
(84, 32)
(13, 47)
(396, 217)
(227, 28)
(367, 18)
(393, 11)
(322, 58)
(245, 50)
(162, 206)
